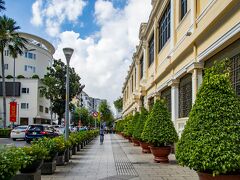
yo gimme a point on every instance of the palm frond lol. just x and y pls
(2, 5)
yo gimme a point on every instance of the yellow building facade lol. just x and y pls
(180, 39)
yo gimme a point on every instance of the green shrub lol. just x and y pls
(73, 139)
(120, 125)
(36, 151)
(135, 120)
(9, 76)
(35, 76)
(60, 144)
(211, 139)
(5, 133)
(20, 77)
(127, 125)
(50, 145)
(140, 124)
(159, 129)
(11, 160)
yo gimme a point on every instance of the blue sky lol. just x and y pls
(21, 11)
(103, 34)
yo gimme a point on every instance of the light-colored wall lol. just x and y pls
(32, 99)
(203, 32)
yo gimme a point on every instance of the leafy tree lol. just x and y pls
(9, 38)
(140, 124)
(81, 114)
(55, 87)
(210, 141)
(159, 129)
(2, 5)
(118, 104)
(105, 111)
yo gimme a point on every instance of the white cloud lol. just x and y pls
(53, 13)
(102, 59)
(37, 17)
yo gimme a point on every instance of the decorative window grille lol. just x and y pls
(151, 51)
(185, 96)
(166, 94)
(183, 8)
(235, 73)
(141, 68)
(164, 25)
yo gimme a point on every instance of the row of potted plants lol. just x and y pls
(153, 131)
(210, 142)
(44, 153)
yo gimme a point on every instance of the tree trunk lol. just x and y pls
(4, 92)
(60, 119)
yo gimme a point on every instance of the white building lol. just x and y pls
(90, 103)
(31, 106)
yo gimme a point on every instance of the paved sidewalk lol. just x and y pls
(117, 159)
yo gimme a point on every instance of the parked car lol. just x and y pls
(72, 128)
(38, 131)
(18, 132)
(60, 130)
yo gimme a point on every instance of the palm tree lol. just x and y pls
(9, 38)
(2, 5)
(16, 48)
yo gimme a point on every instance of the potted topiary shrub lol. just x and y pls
(138, 131)
(159, 131)
(11, 160)
(210, 142)
(127, 128)
(61, 149)
(73, 140)
(133, 129)
(49, 164)
(37, 154)
(68, 149)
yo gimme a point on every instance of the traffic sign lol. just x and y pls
(95, 114)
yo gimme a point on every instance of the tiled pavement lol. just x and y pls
(117, 159)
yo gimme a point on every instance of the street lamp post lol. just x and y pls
(68, 54)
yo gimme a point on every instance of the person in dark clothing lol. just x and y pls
(101, 132)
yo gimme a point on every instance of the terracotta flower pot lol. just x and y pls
(135, 142)
(130, 139)
(145, 147)
(161, 153)
(206, 176)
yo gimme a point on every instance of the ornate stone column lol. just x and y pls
(174, 99)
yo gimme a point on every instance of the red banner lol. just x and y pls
(13, 111)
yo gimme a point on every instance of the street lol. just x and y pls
(17, 143)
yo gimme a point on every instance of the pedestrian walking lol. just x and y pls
(101, 134)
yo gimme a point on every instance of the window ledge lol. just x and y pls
(182, 20)
(165, 45)
(204, 12)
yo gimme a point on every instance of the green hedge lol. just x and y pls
(5, 133)
(13, 159)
